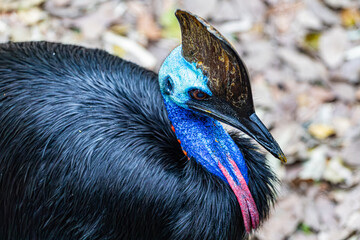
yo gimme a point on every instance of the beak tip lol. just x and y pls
(282, 157)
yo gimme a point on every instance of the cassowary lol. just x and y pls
(95, 147)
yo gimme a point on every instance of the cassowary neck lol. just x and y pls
(204, 139)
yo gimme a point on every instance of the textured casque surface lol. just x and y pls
(205, 46)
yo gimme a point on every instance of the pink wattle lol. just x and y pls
(247, 204)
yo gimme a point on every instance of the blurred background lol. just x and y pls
(304, 60)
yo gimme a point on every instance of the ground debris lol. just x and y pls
(303, 57)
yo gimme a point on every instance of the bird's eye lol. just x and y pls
(198, 94)
(168, 86)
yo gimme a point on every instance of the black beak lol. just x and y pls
(248, 122)
(253, 127)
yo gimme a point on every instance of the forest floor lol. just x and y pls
(304, 60)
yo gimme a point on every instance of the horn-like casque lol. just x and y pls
(213, 54)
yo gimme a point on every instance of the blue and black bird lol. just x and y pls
(95, 147)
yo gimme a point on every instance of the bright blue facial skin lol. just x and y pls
(185, 76)
(202, 137)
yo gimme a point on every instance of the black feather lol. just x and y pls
(87, 152)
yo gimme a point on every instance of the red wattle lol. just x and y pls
(247, 204)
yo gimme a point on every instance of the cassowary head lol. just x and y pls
(206, 77)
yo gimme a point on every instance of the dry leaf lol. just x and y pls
(351, 152)
(306, 69)
(32, 16)
(358, 94)
(142, 56)
(311, 40)
(335, 172)
(147, 26)
(284, 220)
(332, 46)
(314, 168)
(350, 17)
(344, 91)
(11, 5)
(321, 131)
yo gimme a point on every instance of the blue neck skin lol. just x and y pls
(201, 137)
(204, 139)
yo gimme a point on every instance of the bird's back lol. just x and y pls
(87, 152)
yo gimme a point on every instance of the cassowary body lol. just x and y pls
(94, 147)
(87, 152)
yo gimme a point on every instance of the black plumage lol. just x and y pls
(87, 152)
